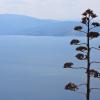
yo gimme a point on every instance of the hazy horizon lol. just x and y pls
(49, 9)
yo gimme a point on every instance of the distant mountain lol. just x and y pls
(11, 24)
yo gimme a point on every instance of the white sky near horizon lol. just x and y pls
(49, 9)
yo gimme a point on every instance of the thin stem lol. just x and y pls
(82, 43)
(81, 93)
(82, 84)
(92, 27)
(91, 19)
(94, 48)
(88, 63)
(94, 62)
(79, 68)
(95, 89)
(82, 31)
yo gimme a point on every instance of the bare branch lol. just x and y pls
(82, 31)
(82, 84)
(79, 68)
(95, 48)
(83, 93)
(82, 43)
(92, 28)
(95, 89)
(91, 19)
(94, 62)
(75, 67)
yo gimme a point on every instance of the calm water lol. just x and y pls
(31, 68)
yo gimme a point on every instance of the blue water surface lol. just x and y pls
(31, 68)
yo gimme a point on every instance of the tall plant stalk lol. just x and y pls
(84, 50)
(88, 61)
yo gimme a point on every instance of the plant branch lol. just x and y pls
(94, 62)
(82, 43)
(80, 92)
(92, 27)
(79, 68)
(82, 31)
(95, 89)
(94, 48)
(82, 84)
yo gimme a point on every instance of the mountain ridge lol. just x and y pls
(12, 24)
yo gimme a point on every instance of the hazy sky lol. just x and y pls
(49, 9)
